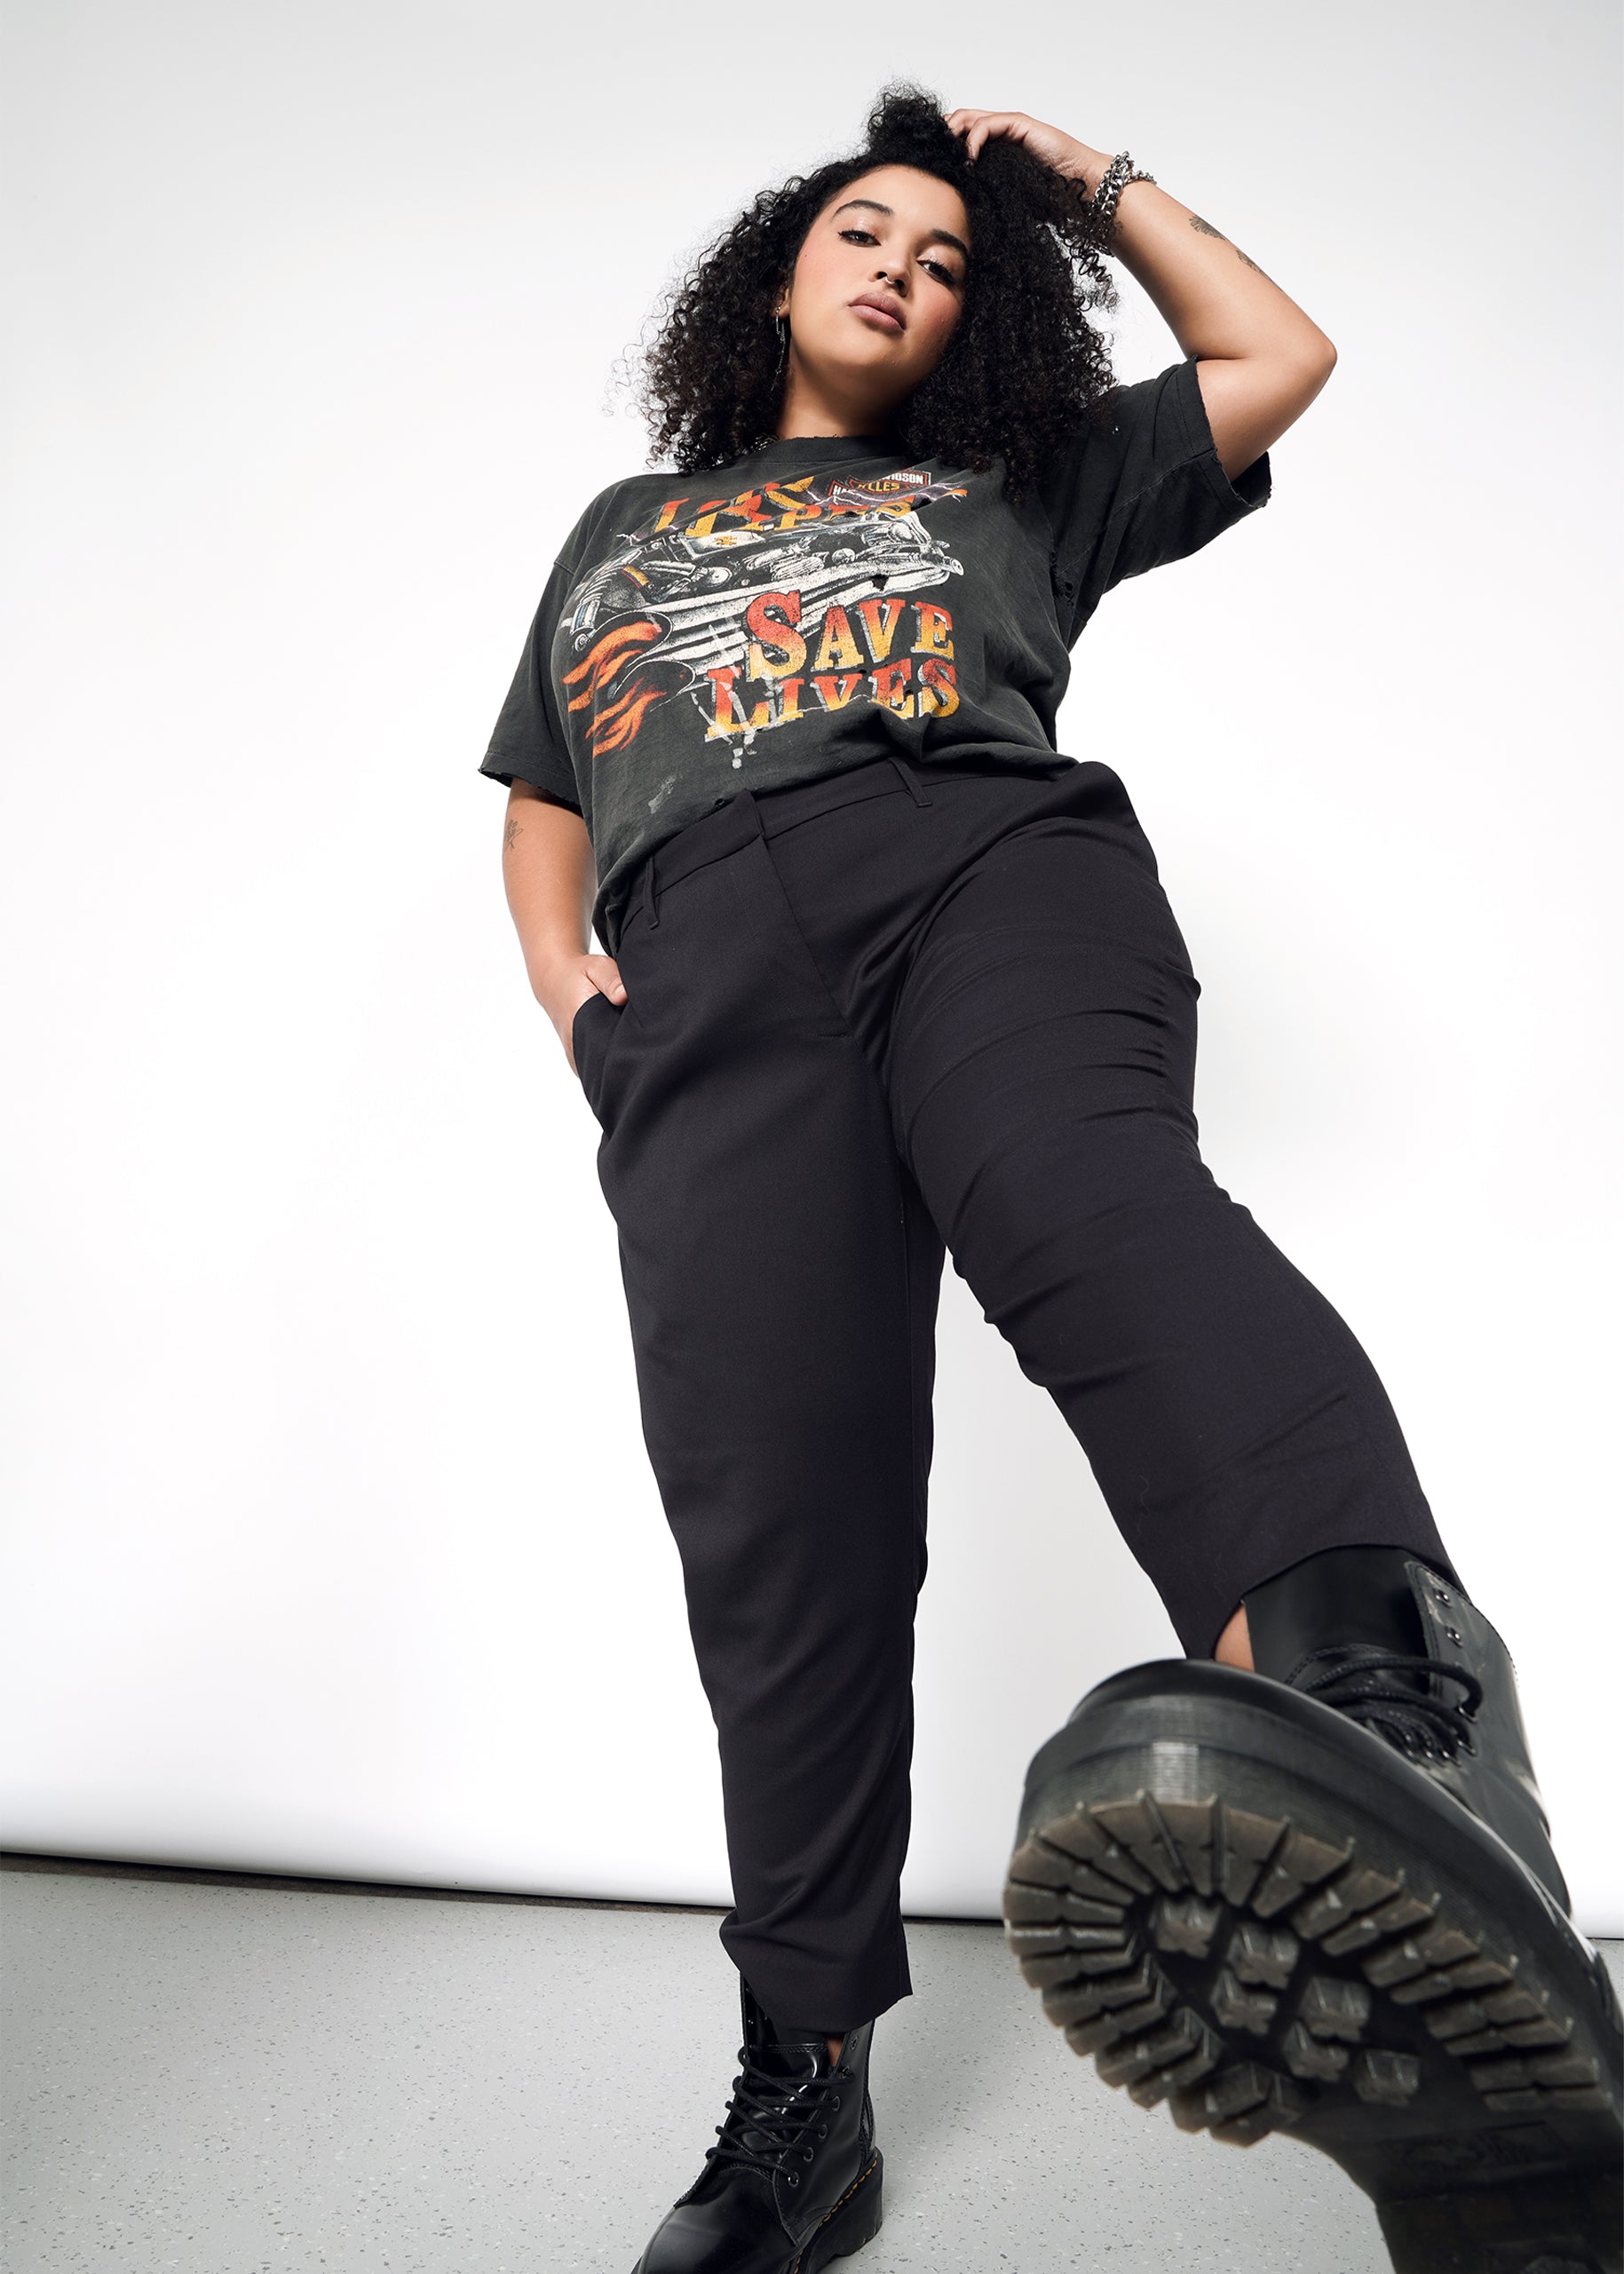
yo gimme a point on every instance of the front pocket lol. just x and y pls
(587, 1038)
(575, 1028)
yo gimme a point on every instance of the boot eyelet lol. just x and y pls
(807, 2154)
(1453, 1634)
(823, 2131)
(792, 2179)
(1438, 1595)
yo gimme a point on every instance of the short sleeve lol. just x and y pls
(1138, 488)
(528, 743)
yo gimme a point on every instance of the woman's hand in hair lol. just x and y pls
(1068, 156)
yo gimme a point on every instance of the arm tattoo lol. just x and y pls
(1207, 230)
(510, 834)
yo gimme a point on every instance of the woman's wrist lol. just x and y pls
(552, 968)
(1085, 167)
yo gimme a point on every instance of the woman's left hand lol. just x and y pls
(1063, 152)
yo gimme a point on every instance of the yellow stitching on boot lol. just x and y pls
(828, 2214)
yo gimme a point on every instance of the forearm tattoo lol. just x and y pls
(1207, 230)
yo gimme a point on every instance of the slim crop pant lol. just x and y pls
(869, 1019)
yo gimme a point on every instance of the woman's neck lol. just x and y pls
(817, 409)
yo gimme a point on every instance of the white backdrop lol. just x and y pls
(332, 1544)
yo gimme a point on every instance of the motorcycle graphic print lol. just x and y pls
(782, 603)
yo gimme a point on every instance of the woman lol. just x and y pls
(889, 975)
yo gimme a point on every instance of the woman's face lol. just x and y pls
(879, 285)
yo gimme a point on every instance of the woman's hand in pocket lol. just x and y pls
(567, 986)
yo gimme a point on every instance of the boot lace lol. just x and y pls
(770, 2118)
(1389, 1692)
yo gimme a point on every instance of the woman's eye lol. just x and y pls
(937, 269)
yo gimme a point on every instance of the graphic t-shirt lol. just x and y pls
(825, 602)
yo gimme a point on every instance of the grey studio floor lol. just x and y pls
(224, 2076)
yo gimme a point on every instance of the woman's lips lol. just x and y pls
(881, 316)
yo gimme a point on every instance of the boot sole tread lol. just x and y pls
(1264, 1959)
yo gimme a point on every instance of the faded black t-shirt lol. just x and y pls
(824, 602)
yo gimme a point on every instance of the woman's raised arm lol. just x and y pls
(1262, 359)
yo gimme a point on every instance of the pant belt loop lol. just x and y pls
(909, 778)
(651, 906)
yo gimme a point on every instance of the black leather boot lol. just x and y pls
(1389, 1644)
(1321, 1897)
(795, 2178)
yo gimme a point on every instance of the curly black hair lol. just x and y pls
(1022, 368)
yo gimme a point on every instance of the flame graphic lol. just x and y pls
(614, 727)
(617, 717)
(605, 657)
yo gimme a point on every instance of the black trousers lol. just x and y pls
(867, 1018)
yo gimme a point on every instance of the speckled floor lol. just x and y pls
(224, 2078)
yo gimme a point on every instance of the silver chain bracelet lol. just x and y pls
(1101, 208)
